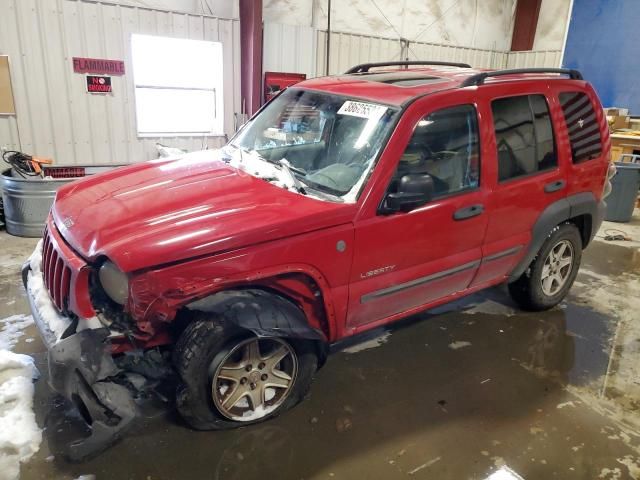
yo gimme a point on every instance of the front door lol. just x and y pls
(404, 260)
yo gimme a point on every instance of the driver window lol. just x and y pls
(444, 145)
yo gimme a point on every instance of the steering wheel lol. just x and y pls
(331, 179)
(359, 166)
(442, 154)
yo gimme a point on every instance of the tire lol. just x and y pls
(529, 292)
(199, 356)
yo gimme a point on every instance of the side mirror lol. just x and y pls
(414, 191)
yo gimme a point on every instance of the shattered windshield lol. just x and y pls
(329, 142)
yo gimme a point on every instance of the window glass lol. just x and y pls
(299, 124)
(178, 86)
(332, 142)
(545, 151)
(445, 146)
(584, 131)
(524, 136)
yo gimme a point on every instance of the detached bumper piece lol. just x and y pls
(82, 370)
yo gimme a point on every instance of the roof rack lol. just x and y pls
(478, 79)
(364, 67)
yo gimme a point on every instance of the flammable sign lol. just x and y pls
(98, 84)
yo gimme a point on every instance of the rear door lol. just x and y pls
(530, 175)
(403, 261)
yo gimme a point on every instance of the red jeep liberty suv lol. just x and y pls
(345, 203)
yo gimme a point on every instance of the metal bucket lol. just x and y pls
(27, 201)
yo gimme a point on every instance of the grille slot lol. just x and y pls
(56, 273)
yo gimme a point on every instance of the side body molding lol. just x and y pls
(556, 213)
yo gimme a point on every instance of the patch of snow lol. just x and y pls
(56, 323)
(632, 465)
(35, 284)
(269, 394)
(504, 473)
(369, 344)
(459, 344)
(610, 474)
(259, 412)
(565, 404)
(253, 164)
(12, 328)
(91, 476)
(20, 436)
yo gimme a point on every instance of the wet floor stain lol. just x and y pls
(543, 395)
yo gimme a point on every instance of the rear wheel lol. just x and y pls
(230, 380)
(553, 271)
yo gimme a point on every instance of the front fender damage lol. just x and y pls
(261, 312)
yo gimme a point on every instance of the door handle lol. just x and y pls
(468, 212)
(554, 186)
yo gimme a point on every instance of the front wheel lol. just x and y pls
(230, 381)
(551, 274)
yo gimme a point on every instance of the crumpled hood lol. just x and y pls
(167, 210)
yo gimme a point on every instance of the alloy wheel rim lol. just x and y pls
(254, 379)
(557, 268)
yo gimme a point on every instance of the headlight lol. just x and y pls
(611, 172)
(114, 282)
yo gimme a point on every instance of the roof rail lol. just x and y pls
(364, 67)
(478, 79)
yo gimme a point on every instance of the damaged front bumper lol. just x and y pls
(82, 370)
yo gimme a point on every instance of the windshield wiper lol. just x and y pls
(324, 195)
(287, 167)
(291, 170)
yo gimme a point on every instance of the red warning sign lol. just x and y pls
(98, 84)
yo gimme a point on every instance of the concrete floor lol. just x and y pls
(453, 394)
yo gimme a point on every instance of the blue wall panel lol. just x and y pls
(603, 44)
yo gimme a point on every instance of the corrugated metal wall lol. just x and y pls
(349, 49)
(542, 58)
(289, 48)
(473, 56)
(56, 118)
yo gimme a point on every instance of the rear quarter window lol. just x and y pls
(582, 125)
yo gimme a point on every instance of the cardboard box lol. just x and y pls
(618, 122)
(616, 111)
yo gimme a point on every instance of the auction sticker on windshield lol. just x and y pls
(362, 110)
